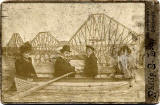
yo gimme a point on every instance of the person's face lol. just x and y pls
(26, 54)
(126, 52)
(66, 53)
(89, 51)
(133, 48)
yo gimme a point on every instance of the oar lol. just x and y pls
(23, 94)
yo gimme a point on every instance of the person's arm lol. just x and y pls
(18, 67)
(58, 64)
(79, 57)
(93, 63)
(119, 62)
(32, 70)
(60, 67)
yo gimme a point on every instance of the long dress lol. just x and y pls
(123, 65)
(24, 68)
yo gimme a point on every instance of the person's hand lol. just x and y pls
(75, 70)
(33, 75)
(78, 71)
(72, 67)
(30, 79)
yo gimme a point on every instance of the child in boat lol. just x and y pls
(23, 65)
(123, 61)
(62, 65)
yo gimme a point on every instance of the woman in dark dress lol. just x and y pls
(23, 65)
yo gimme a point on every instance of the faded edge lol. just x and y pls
(151, 52)
(151, 43)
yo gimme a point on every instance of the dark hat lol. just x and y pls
(65, 48)
(88, 46)
(26, 47)
(123, 48)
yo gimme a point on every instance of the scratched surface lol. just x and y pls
(29, 22)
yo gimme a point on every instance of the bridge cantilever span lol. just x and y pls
(105, 34)
(44, 45)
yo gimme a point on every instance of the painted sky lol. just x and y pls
(63, 20)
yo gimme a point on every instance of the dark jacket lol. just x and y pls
(91, 68)
(25, 68)
(62, 67)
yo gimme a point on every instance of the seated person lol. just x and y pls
(23, 65)
(90, 68)
(62, 65)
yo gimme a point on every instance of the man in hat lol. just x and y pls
(90, 68)
(62, 65)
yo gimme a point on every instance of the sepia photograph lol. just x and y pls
(73, 52)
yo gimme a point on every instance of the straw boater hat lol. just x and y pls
(88, 46)
(26, 47)
(65, 48)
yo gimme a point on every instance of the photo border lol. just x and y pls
(151, 47)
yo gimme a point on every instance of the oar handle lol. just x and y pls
(25, 93)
